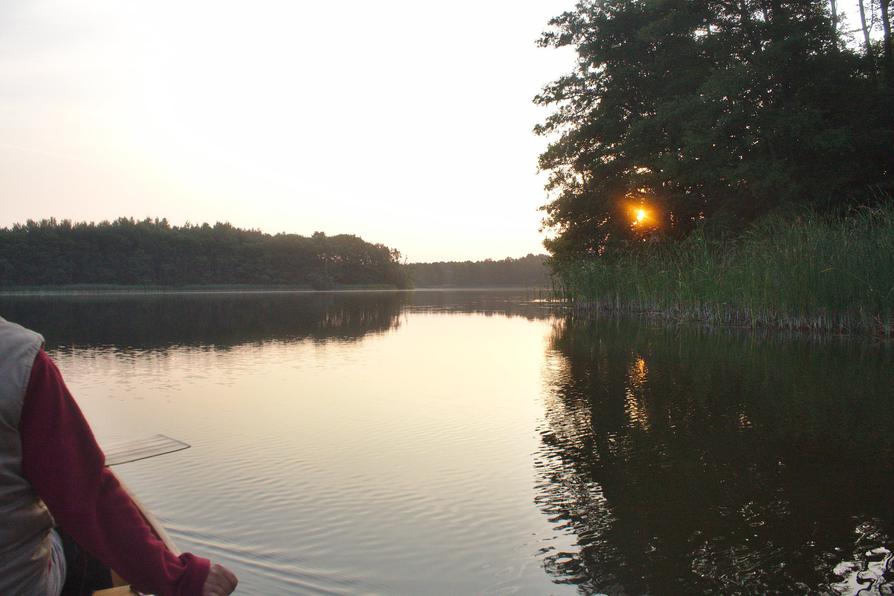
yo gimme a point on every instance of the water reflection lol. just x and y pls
(226, 319)
(529, 304)
(220, 320)
(635, 404)
(667, 460)
(682, 461)
(322, 463)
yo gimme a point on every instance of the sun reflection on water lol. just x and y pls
(634, 404)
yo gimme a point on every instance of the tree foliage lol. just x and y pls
(152, 252)
(713, 111)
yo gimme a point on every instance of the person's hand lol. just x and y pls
(220, 582)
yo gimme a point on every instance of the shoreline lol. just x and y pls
(813, 326)
(804, 272)
(102, 290)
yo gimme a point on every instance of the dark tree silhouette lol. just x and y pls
(713, 111)
(152, 252)
(528, 271)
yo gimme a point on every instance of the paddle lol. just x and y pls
(124, 452)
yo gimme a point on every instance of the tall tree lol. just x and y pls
(714, 110)
(864, 27)
(885, 6)
(833, 10)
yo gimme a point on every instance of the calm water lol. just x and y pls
(470, 442)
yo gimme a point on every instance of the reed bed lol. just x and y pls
(804, 272)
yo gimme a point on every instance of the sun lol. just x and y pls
(642, 216)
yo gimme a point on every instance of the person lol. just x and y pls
(56, 492)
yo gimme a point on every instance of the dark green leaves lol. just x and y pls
(706, 109)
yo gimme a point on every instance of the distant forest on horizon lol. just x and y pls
(528, 271)
(152, 252)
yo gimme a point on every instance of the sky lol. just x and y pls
(403, 122)
(407, 123)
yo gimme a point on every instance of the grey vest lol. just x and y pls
(25, 522)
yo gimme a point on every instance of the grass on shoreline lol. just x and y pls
(806, 273)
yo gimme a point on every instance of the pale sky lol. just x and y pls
(404, 122)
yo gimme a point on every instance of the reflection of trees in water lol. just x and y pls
(150, 321)
(507, 303)
(222, 320)
(683, 461)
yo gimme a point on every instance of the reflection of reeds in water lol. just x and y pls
(804, 273)
(686, 461)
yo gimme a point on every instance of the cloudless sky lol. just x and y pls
(404, 122)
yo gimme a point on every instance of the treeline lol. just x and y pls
(151, 252)
(528, 271)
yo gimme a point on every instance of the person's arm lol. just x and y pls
(61, 459)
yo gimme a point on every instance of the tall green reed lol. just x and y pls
(801, 271)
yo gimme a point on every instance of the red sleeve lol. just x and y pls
(61, 459)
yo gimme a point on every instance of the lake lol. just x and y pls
(482, 442)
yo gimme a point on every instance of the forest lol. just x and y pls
(151, 252)
(530, 271)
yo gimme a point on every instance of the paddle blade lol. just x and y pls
(124, 452)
